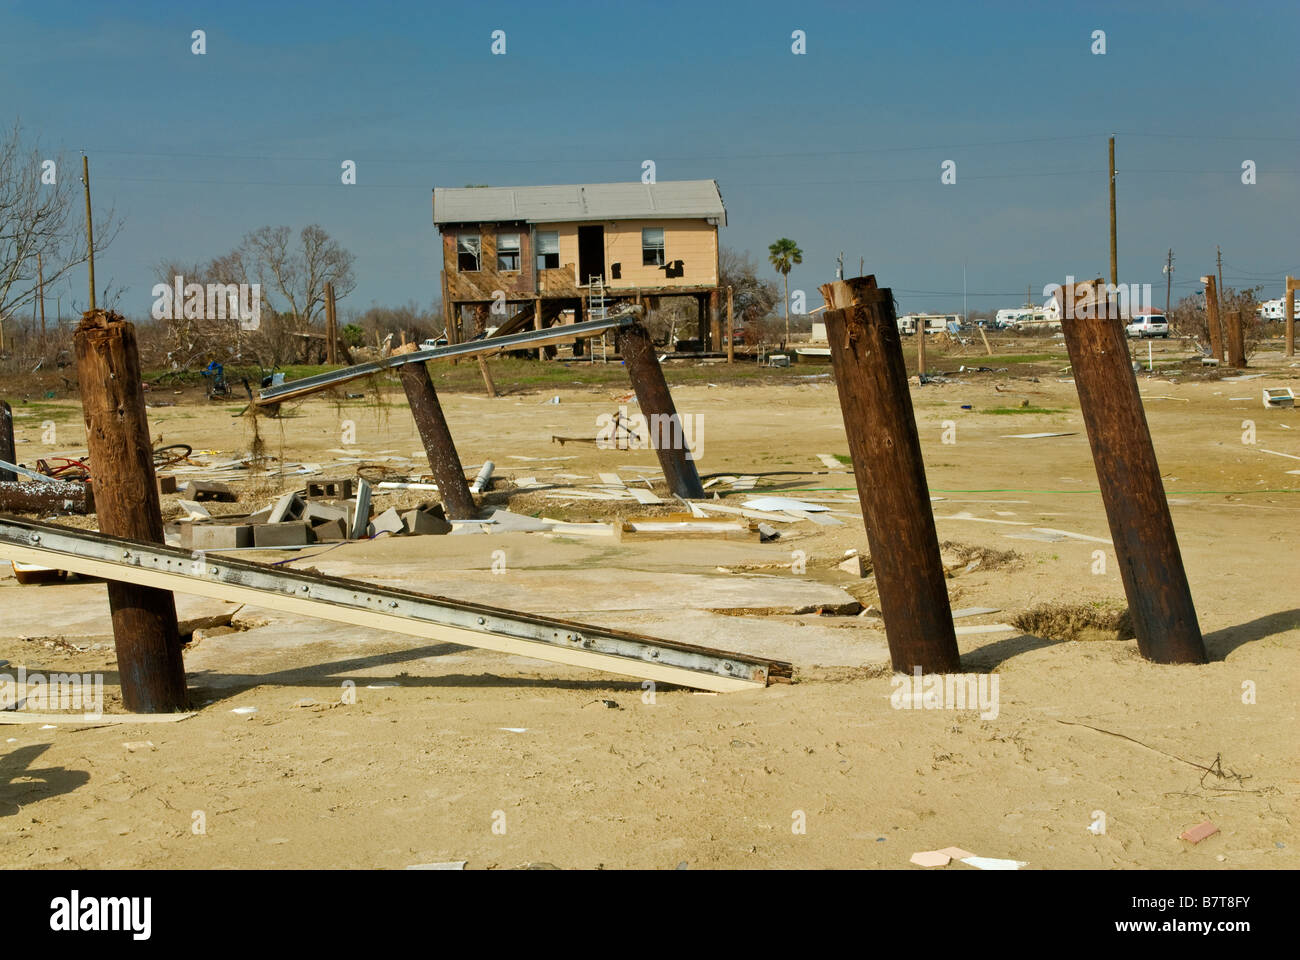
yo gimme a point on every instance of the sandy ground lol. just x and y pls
(452, 753)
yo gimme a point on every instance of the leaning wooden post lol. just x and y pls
(1146, 549)
(920, 346)
(438, 445)
(126, 505)
(662, 421)
(867, 358)
(7, 450)
(1292, 285)
(331, 326)
(1212, 317)
(1236, 340)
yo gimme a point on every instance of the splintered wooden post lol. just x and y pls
(7, 442)
(438, 445)
(867, 358)
(1236, 340)
(662, 421)
(1146, 549)
(126, 505)
(1212, 317)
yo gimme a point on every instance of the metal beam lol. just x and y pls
(474, 348)
(384, 608)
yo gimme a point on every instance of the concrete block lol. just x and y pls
(288, 507)
(427, 519)
(318, 511)
(215, 536)
(388, 522)
(328, 530)
(166, 484)
(210, 490)
(329, 489)
(292, 533)
(261, 516)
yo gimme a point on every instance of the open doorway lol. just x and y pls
(591, 254)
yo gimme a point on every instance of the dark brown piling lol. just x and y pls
(7, 450)
(1141, 528)
(126, 505)
(36, 497)
(438, 445)
(662, 421)
(867, 358)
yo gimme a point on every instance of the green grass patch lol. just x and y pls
(1023, 358)
(41, 410)
(1007, 411)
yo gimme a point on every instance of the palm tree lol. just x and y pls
(783, 255)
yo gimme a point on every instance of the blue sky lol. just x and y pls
(839, 149)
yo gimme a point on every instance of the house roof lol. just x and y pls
(674, 199)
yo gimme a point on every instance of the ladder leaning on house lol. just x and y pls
(597, 310)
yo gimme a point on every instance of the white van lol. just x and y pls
(1148, 325)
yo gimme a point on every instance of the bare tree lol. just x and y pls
(41, 213)
(298, 276)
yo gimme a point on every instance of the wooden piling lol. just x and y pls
(7, 451)
(1292, 285)
(331, 326)
(871, 377)
(662, 421)
(1212, 317)
(1141, 528)
(438, 445)
(920, 346)
(731, 329)
(46, 498)
(1236, 340)
(126, 505)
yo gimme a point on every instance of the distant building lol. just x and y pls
(537, 252)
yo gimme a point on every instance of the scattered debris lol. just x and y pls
(1202, 831)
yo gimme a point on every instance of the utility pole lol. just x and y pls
(1114, 248)
(839, 267)
(90, 233)
(1218, 255)
(1169, 279)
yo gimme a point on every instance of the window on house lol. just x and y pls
(468, 248)
(652, 247)
(548, 250)
(507, 251)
